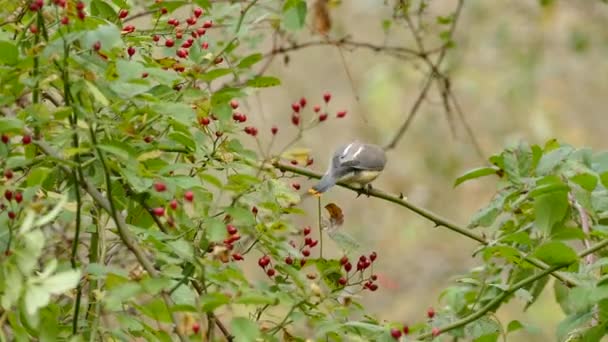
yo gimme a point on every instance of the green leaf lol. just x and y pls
(587, 181)
(603, 178)
(294, 14)
(514, 326)
(37, 176)
(475, 173)
(216, 230)
(555, 253)
(244, 329)
(263, 82)
(481, 327)
(213, 74)
(213, 300)
(549, 161)
(550, 209)
(250, 60)
(253, 298)
(10, 125)
(107, 35)
(61, 282)
(36, 297)
(9, 54)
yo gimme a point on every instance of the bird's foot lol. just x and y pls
(366, 189)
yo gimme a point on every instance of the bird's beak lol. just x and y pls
(314, 192)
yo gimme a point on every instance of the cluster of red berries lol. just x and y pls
(183, 50)
(264, 262)
(298, 106)
(26, 139)
(173, 204)
(363, 263)
(435, 331)
(307, 244)
(10, 195)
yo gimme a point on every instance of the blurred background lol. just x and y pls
(521, 70)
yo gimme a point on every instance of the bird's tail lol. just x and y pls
(326, 182)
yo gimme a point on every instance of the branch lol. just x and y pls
(121, 226)
(492, 305)
(436, 219)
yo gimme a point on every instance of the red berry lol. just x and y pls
(179, 34)
(131, 51)
(160, 187)
(65, 20)
(169, 42)
(374, 277)
(200, 31)
(406, 330)
(33, 29)
(237, 257)
(430, 313)
(128, 28)
(303, 102)
(306, 252)
(8, 195)
(189, 196)
(348, 266)
(296, 186)
(97, 46)
(344, 260)
(191, 21)
(295, 119)
(323, 117)
(294, 162)
(327, 97)
(82, 15)
(8, 173)
(12, 215)
(163, 10)
(309, 161)
(264, 261)
(198, 12)
(173, 204)
(396, 333)
(270, 272)
(274, 130)
(436, 331)
(218, 60)
(196, 327)
(302, 262)
(288, 260)
(313, 243)
(160, 211)
(307, 241)
(254, 210)
(27, 139)
(204, 121)
(295, 107)
(307, 230)
(80, 5)
(123, 13)
(342, 281)
(341, 114)
(373, 256)
(5, 138)
(373, 287)
(18, 197)
(205, 45)
(231, 229)
(182, 53)
(207, 24)
(144, 75)
(316, 108)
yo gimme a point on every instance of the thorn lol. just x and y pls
(401, 196)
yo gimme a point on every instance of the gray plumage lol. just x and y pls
(356, 163)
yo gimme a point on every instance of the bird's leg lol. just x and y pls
(368, 189)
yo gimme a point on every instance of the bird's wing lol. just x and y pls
(363, 157)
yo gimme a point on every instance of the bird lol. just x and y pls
(356, 164)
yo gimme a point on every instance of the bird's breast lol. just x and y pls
(360, 178)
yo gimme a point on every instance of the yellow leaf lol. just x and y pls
(149, 155)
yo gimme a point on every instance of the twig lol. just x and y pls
(436, 219)
(590, 259)
(121, 225)
(492, 305)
